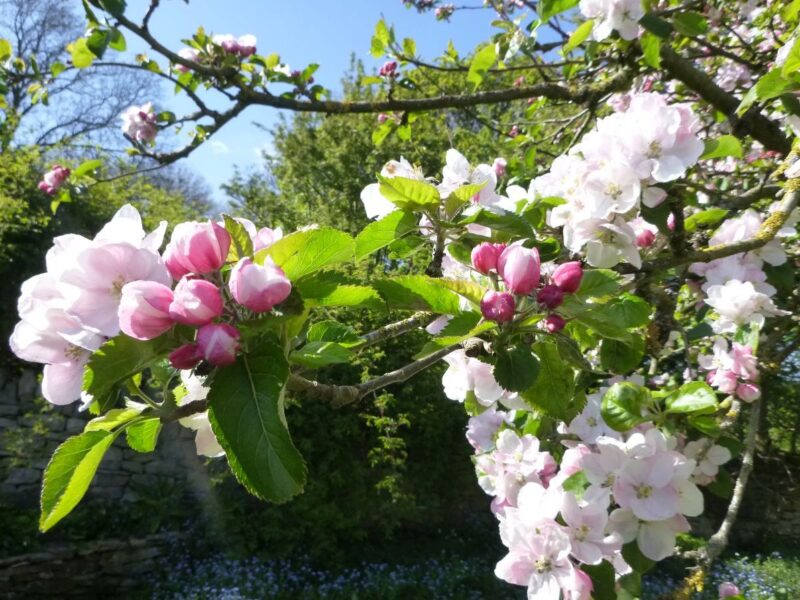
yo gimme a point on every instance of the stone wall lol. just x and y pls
(30, 431)
(101, 569)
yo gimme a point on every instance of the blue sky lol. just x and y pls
(321, 31)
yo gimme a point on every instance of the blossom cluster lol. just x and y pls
(54, 179)
(118, 282)
(621, 16)
(139, 123)
(615, 168)
(608, 490)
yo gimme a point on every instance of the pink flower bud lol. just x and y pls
(218, 343)
(671, 222)
(748, 392)
(499, 166)
(519, 81)
(513, 132)
(196, 302)
(185, 357)
(389, 69)
(485, 255)
(186, 54)
(382, 118)
(144, 309)
(550, 296)
(645, 238)
(258, 287)
(246, 45)
(554, 323)
(520, 268)
(196, 248)
(568, 277)
(266, 237)
(53, 179)
(728, 589)
(498, 306)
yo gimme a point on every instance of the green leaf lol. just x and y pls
(622, 405)
(114, 418)
(87, 167)
(772, 85)
(576, 484)
(331, 289)
(580, 35)
(380, 39)
(551, 8)
(241, 242)
(320, 354)
(57, 68)
(381, 233)
(603, 580)
(469, 290)
(705, 218)
(722, 486)
(651, 49)
(6, 50)
(69, 473)
(621, 357)
(409, 47)
(304, 252)
(692, 397)
(461, 324)
(81, 56)
(482, 61)
(117, 41)
(705, 424)
(438, 343)
(143, 436)
(246, 414)
(98, 41)
(115, 8)
(506, 222)
(116, 361)
(553, 390)
(634, 557)
(690, 23)
(598, 283)
(656, 25)
(409, 194)
(332, 331)
(726, 145)
(418, 292)
(516, 368)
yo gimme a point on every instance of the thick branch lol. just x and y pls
(186, 410)
(393, 329)
(719, 541)
(752, 123)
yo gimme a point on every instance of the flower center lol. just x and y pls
(613, 191)
(543, 565)
(73, 352)
(654, 150)
(117, 285)
(591, 421)
(581, 533)
(644, 491)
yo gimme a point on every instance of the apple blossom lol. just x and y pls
(196, 302)
(205, 440)
(139, 123)
(708, 456)
(185, 357)
(187, 54)
(53, 179)
(196, 247)
(748, 392)
(737, 303)
(485, 255)
(498, 306)
(218, 343)
(568, 276)
(144, 309)
(550, 296)
(613, 15)
(258, 287)
(520, 268)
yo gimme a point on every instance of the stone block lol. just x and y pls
(8, 393)
(28, 384)
(8, 410)
(24, 475)
(8, 424)
(75, 425)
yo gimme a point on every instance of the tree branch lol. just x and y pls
(752, 123)
(393, 330)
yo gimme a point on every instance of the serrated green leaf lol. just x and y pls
(303, 253)
(117, 41)
(516, 368)
(246, 414)
(80, 54)
(622, 405)
(705, 218)
(551, 8)
(657, 25)
(115, 8)
(332, 331)
(380, 39)
(113, 419)
(241, 242)
(598, 283)
(692, 397)
(622, 357)
(320, 354)
(580, 35)
(409, 194)
(726, 145)
(482, 61)
(506, 222)
(116, 361)
(69, 473)
(690, 23)
(143, 436)
(418, 292)
(87, 167)
(553, 390)
(651, 49)
(98, 41)
(331, 289)
(383, 232)
(6, 50)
